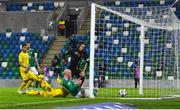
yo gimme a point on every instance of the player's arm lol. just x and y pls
(36, 60)
(84, 69)
(59, 80)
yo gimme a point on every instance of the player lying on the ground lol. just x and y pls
(74, 88)
(66, 86)
(49, 91)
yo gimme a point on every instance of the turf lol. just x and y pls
(10, 99)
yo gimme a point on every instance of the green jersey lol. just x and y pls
(71, 86)
(31, 57)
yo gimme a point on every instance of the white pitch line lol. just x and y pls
(118, 106)
(85, 109)
(97, 108)
(108, 107)
(118, 103)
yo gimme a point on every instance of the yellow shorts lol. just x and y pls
(27, 76)
(45, 85)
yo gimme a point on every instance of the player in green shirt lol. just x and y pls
(33, 61)
(68, 84)
(74, 88)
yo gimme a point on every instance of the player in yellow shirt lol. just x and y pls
(26, 73)
(66, 86)
(49, 91)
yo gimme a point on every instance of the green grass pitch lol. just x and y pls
(10, 99)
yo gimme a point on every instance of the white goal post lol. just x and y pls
(166, 23)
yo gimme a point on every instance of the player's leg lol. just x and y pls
(28, 84)
(21, 87)
(35, 83)
(24, 81)
(33, 76)
(135, 81)
(33, 92)
(54, 92)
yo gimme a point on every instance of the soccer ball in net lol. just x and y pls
(122, 92)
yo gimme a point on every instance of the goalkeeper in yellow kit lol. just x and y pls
(26, 73)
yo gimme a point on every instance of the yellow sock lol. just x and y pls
(23, 84)
(28, 84)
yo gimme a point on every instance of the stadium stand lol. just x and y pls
(15, 42)
(71, 47)
(10, 46)
(127, 46)
(33, 6)
(144, 3)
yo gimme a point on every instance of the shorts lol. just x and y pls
(28, 76)
(34, 70)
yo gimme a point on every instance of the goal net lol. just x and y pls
(134, 52)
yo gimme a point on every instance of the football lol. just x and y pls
(122, 92)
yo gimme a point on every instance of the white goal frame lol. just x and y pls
(129, 18)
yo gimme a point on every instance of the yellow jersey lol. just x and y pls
(24, 59)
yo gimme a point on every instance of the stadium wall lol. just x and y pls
(34, 21)
(113, 83)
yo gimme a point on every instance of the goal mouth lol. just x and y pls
(171, 96)
(134, 48)
(123, 98)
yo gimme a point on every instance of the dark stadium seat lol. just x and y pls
(135, 3)
(48, 6)
(10, 48)
(132, 47)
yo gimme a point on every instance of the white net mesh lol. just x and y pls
(117, 51)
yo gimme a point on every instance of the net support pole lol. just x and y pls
(92, 49)
(177, 56)
(141, 60)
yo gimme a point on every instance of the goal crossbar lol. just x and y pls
(138, 21)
